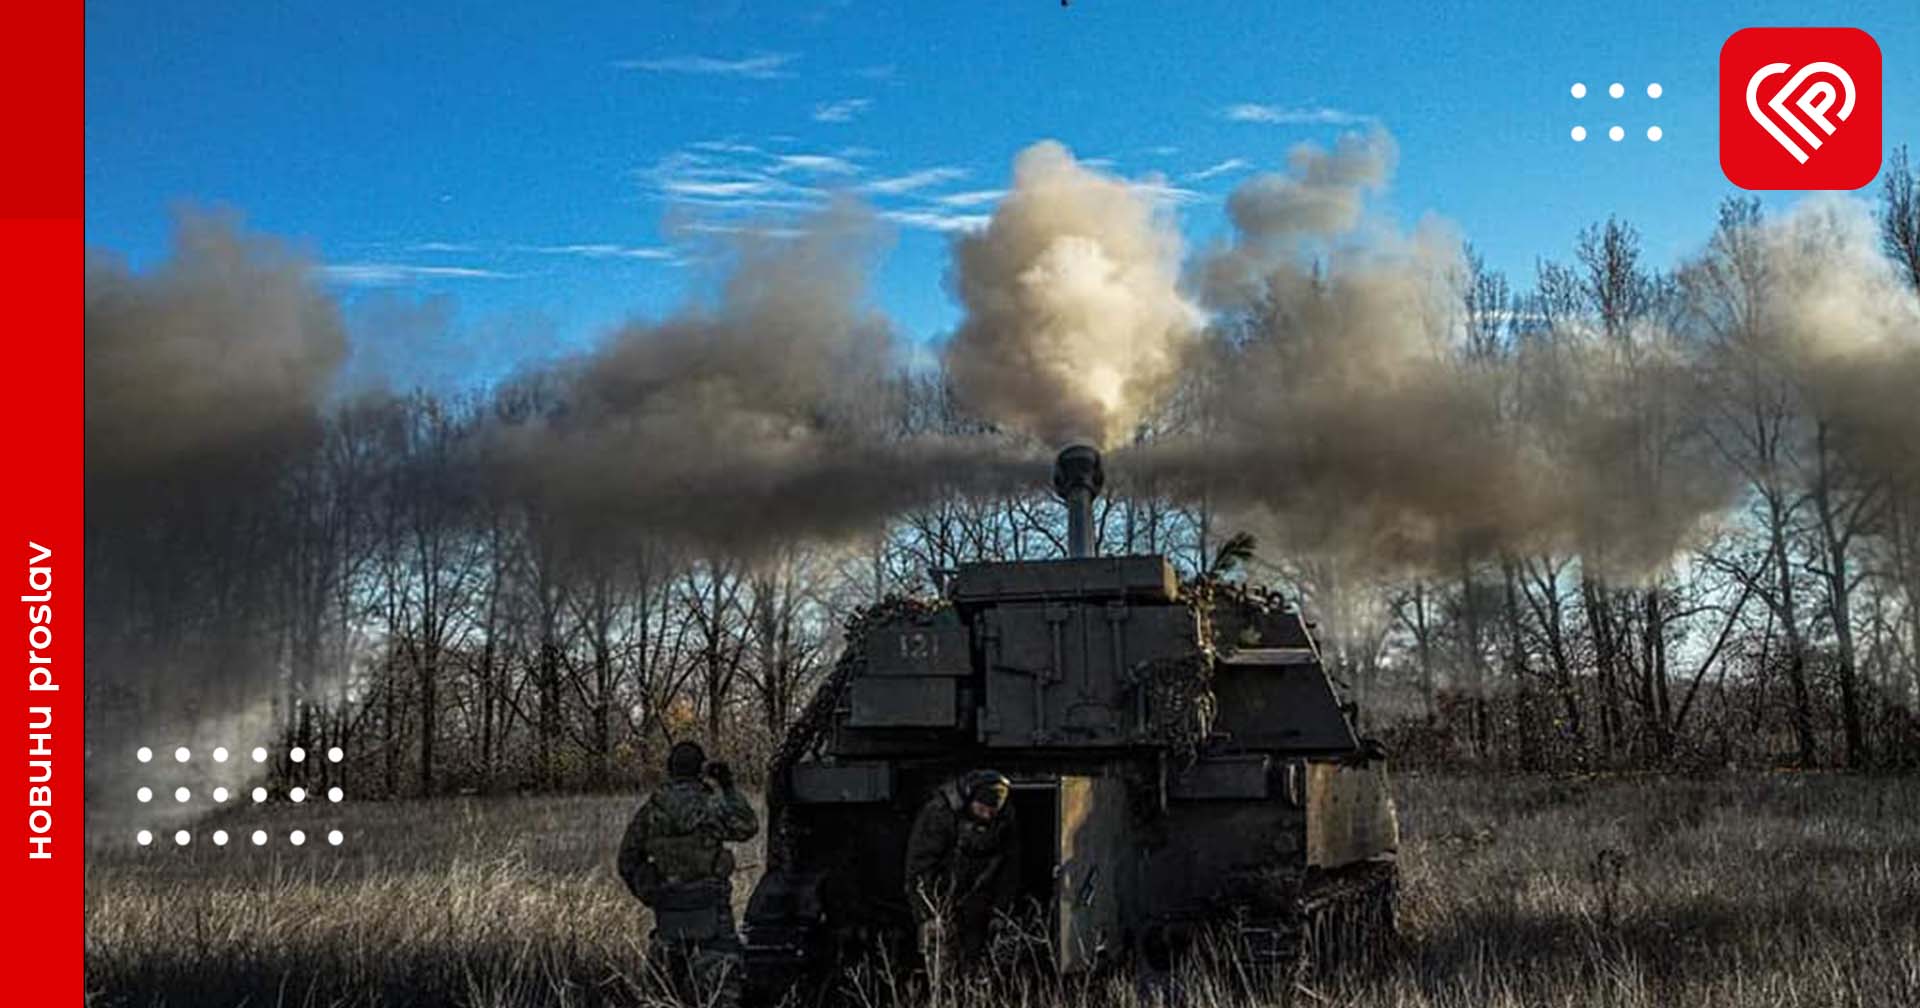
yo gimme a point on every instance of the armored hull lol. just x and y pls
(1181, 765)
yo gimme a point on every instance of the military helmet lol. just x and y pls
(685, 760)
(988, 787)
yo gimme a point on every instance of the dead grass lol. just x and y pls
(1776, 890)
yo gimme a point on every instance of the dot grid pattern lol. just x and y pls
(1616, 132)
(260, 837)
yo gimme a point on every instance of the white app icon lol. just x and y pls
(1814, 102)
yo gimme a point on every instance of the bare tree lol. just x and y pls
(1757, 427)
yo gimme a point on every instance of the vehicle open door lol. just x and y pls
(1092, 873)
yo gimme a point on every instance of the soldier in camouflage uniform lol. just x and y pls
(674, 858)
(963, 863)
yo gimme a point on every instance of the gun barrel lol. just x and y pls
(1078, 478)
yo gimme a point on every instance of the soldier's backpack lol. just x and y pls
(682, 844)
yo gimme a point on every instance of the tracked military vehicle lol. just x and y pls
(1182, 767)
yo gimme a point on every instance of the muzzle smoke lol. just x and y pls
(1075, 325)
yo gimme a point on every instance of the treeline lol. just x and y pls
(371, 582)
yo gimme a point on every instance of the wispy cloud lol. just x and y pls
(727, 228)
(935, 220)
(760, 66)
(878, 72)
(1161, 192)
(734, 176)
(717, 189)
(976, 197)
(818, 164)
(724, 147)
(1229, 165)
(442, 246)
(1300, 116)
(915, 180)
(603, 250)
(840, 111)
(735, 181)
(375, 274)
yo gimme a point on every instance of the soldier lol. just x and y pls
(674, 858)
(963, 863)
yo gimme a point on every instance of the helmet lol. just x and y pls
(685, 759)
(988, 787)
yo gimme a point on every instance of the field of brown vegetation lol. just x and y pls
(1743, 890)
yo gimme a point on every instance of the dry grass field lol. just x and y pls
(1746, 890)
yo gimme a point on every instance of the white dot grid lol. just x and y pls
(220, 837)
(1615, 90)
(221, 754)
(183, 838)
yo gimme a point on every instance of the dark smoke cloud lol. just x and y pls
(769, 415)
(1338, 413)
(205, 383)
(1342, 422)
(223, 352)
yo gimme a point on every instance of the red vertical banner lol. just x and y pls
(42, 432)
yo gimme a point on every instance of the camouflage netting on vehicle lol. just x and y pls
(815, 723)
(1180, 688)
(1180, 701)
(1229, 610)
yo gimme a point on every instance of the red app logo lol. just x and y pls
(1800, 108)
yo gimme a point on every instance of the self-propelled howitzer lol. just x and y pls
(1181, 765)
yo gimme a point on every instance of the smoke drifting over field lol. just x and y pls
(1343, 414)
(1320, 376)
(1075, 325)
(1314, 359)
(223, 353)
(1836, 324)
(206, 379)
(768, 416)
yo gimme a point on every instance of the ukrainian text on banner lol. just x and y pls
(42, 269)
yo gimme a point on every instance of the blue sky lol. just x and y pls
(551, 171)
